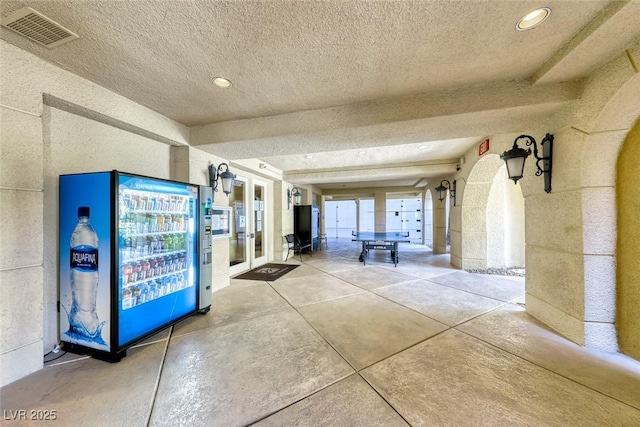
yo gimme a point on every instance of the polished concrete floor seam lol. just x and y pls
(150, 342)
(231, 322)
(542, 366)
(316, 329)
(326, 300)
(156, 386)
(480, 315)
(300, 399)
(465, 290)
(345, 296)
(51, 365)
(417, 311)
(383, 398)
(338, 351)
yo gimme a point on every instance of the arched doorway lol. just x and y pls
(505, 223)
(492, 218)
(628, 244)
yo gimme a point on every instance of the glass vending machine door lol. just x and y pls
(157, 262)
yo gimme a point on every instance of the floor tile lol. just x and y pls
(350, 402)
(242, 283)
(444, 304)
(233, 304)
(303, 271)
(419, 270)
(366, 328)
(62, 358)
(333, 265)
(313, 289)
(162, 335)
(512, 329)
(455, 379)
(254, 358)
(482, 284)
(239, 373)
(89, 391)
(372, 277)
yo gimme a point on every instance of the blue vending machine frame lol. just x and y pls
(132, 301)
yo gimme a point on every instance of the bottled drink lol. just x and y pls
(83, 317)
(127, 298)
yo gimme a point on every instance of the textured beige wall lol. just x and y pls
(21, 254)
(26, 292)
(495, 218)
(628, 247)
(189, 164)
(38, 143)
(73, 144)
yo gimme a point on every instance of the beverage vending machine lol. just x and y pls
(135, 257)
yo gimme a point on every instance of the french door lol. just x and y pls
(248, 243)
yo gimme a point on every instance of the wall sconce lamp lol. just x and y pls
(515, 158)
(442, 190)
(217, 174)
(295, 194)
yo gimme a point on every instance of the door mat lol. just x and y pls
(269, 272)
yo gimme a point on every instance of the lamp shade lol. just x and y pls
(442, 192)
(514, 159)
(227, 181)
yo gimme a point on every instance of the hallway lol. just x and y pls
(337, 343)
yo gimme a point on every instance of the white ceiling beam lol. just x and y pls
(293, 133)
(380, 172)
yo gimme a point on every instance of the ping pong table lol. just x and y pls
(377, 240)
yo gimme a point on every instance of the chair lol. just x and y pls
(293, 244)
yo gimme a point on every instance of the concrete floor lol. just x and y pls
(336, 343)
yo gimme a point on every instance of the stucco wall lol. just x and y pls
(189, 164)
(495, 217)
(37, 144)
(628, 247)
(74, 144)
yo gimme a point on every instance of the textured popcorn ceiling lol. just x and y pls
(332, 78)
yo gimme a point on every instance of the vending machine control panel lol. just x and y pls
(205, 247)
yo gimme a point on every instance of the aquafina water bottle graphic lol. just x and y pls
(83, 317)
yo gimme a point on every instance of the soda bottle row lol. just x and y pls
(147, 269)
(150, 222)
(151, 289)
(152, 202)
(143, 246)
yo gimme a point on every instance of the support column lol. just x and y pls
(380, 210)
(439, 227)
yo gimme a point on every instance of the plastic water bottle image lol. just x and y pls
(83, 317)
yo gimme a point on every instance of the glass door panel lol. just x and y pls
(259, 224)
(238, 248)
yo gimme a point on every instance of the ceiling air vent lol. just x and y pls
(37, 27)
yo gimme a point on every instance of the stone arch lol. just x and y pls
(505, 223)
(628, 244)
(474, 211)
(607, 158)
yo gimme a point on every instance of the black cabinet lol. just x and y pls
(306, 224)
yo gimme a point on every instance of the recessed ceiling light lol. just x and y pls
(221, 82)
(362, 152)
(308, 156)
(422, 147)
(533, 19)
